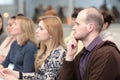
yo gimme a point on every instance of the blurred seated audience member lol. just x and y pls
(61, 14)
(36, 15)
(41, 9)
(49, 58)
(20, 14)
(115, 13)
(105, 34)
(5, 46)
(49, 7)
(51, 12)
(74, 14)
(23, 49)
(104, 9)
(3, 34)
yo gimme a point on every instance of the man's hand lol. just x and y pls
(72, 48)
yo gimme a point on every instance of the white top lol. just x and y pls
(5, 46)
(106, 35)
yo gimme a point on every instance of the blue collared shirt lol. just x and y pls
(86, 54)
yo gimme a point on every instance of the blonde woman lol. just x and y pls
(52, 51)
(22, 51)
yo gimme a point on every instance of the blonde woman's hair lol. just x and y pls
(54, 27)
(28, 31)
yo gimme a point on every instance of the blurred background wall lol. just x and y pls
(12, 7)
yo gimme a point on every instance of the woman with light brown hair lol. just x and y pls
(22, 51)
(52, 51)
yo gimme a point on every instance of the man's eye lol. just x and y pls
(78, 24)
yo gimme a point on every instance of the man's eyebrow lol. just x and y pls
(77, 22)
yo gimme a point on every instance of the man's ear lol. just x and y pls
(91, 26)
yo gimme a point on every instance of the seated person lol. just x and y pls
(105, 34)
(23, 49)
(3, 34)
(52, 51)
(51, 12)
(5, 46)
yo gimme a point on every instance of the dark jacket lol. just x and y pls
(103, 64)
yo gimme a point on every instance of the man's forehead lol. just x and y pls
(81, 16)
(77, 19)
(82, 13)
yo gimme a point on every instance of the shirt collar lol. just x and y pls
(95, 42)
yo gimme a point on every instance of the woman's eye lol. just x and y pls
(9, 24)
(14, 24)
(41, 28)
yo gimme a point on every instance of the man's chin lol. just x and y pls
(76, 38)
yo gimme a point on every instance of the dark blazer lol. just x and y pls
(103, 64)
